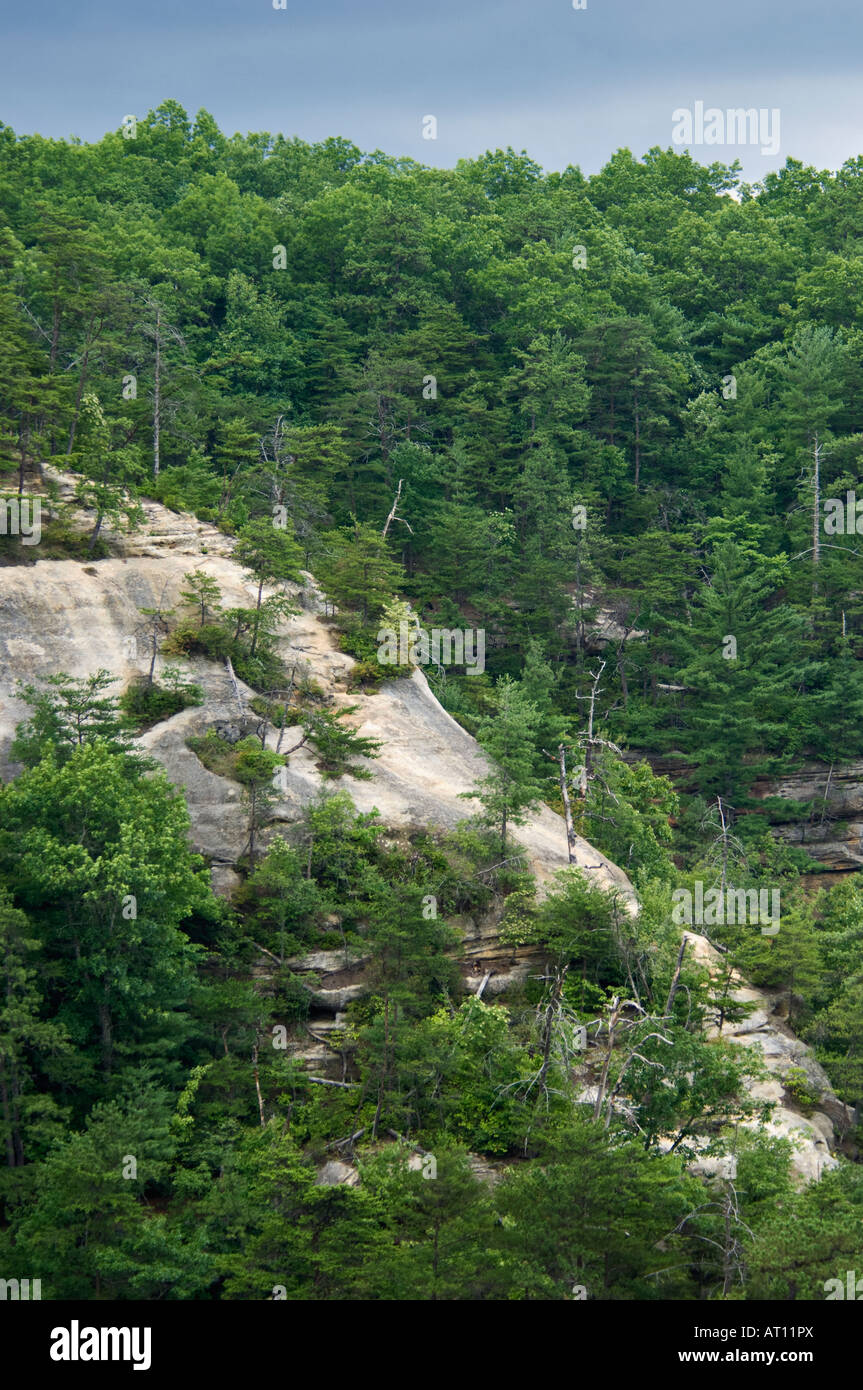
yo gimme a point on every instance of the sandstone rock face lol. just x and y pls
(833, 833)
(77, 617)
(80, 617)
(813, 1135)
(336, 1174)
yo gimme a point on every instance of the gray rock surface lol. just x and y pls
(336, 1174)
(814, 1135)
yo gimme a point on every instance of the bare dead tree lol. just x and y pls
(394, 512)
(161, 334)
(675, 979)
(563, 783)
(258, 1085)
(731, 1247)
(726, 848)
(617, 1021)
(154, 626)
(241, 706)
(816, 512)
(587, 771)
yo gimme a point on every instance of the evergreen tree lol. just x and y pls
(739, 663)
(512, 788)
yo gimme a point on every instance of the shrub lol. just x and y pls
(216, 753)
(144, 704)
(339, 744)
(211, 640)
(800, 1089)
(367, 675)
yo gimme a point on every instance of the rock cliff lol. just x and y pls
(78, 617)
(831, 832)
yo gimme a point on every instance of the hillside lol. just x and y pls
(78, 617)
(431, 679)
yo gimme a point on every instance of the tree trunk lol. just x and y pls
(81, 383)
(816, 518)
(23, 439)
(603, 1080)
(567, 807)
(621, 671)
(675, 980)
(94, 534)
(384, 1068)
(253, 812)
(258, 1086)
(257, 620)
(549, 1024)
(154, 649)
(157, 403)
(107, 1039)
(7, 1117)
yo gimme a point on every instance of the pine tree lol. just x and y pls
(272, 556)
(358, 571)
(512, 787)
(739, 663)
(29, 1116)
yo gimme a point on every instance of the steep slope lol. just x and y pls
(76, 617)
(79, 617)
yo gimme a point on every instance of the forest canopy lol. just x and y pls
(540, 405)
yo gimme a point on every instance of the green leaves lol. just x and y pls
(69, 713)
(512, 788)
(338, 744)
(357, 570)
(103, 858)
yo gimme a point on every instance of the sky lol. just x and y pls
(568, 85)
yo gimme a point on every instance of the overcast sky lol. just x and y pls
(569, 86)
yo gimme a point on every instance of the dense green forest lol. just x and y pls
(635, 395)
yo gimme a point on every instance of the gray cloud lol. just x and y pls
(569, 86)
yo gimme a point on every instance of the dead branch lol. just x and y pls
(394, 516)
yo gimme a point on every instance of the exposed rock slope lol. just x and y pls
(65, 615)
(812, 1135)
(78, 617)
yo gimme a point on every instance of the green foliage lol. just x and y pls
(578, 486)
(511, 789)
(338, 744)
(279, 904)
(70, 713)
(202, 593)
(357, 570)
(600, 1216)
(145, 704)
(88, 1230)
(102, 857)
(627, 814)
(808, 1238)
(800, 1089)
(31, 1117)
